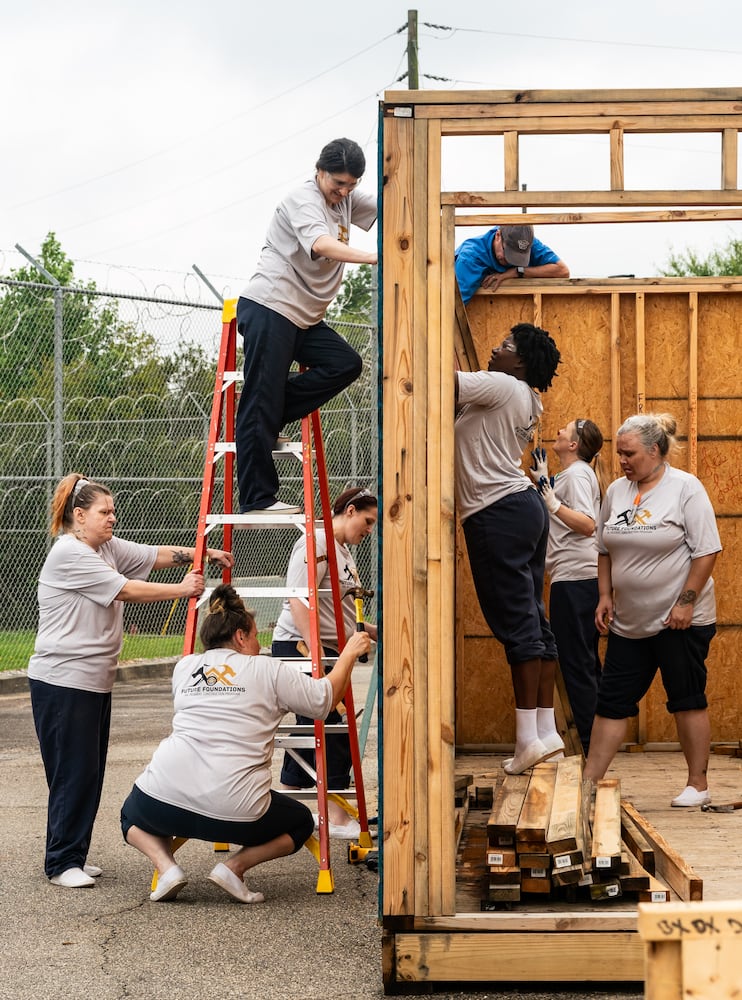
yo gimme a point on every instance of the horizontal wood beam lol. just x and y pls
(586, 199)
(475, 120)
(628, 285)
(524, 98)
(524, 957)
(587, 218)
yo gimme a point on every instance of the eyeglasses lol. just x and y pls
(508, 345)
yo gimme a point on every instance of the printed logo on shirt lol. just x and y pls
(343, 233)
(214, 680)
(634, 519)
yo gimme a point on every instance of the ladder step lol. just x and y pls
(334, 728)
(307, 794)
(295, 742)
(255, 519)
(289, 449)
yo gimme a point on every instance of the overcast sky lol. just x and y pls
(154, 136)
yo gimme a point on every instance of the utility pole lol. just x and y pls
(413, 79)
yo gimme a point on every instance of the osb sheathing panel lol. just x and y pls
(581, 326)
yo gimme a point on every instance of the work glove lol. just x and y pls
(539, 466)
(546, 491)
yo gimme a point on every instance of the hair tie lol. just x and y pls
(79, 485)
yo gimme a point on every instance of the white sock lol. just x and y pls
(526, 727)
(546, 722)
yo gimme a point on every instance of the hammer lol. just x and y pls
(707, 807)
(358, 594)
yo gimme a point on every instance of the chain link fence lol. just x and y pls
(119, 387)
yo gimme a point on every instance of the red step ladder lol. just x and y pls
(221, 447)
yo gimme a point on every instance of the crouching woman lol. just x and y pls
(210, 779)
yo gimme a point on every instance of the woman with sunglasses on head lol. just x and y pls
(657, 545)
(573, 503)
(354, 515)
(280, 315)
(506, 525)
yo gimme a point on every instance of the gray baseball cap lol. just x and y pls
(516, 244)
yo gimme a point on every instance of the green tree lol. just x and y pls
(722, 261)
(354, 302)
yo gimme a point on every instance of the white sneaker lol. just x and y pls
(169, 885)
(690, 797)
(226, 879)
(529, 756)
(73, 878)
(345, 831)
(93, 870)
(279, 507)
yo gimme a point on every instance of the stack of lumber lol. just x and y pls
(554, 836)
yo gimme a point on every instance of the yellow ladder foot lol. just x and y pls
(325, 882)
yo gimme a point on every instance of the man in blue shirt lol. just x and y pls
(504, 252)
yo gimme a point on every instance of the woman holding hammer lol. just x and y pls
(354, 515)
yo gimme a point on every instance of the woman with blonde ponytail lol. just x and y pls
(88, 575)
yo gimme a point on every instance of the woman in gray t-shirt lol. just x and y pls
(657, 545)
(84, 582)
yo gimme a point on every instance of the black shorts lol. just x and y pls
(284, 815)
(631, 664)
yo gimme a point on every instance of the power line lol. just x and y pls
(190, 138)
(238, 201)
(585, 41)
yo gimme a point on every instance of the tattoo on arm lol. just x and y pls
(687, 597)
(180, 558)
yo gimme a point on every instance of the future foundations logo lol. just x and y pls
(215, 680)
(636, 518)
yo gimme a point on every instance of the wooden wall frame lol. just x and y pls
(419, 554)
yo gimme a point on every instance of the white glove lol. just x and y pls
(539, 466)
(552, 504)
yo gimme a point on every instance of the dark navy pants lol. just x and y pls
(572, 605)
(284, 815)
(506, 543)
(271, 397)
(337, 745)
(72, 727)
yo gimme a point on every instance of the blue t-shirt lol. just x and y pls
(475, 259)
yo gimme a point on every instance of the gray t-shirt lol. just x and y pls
(289, 278)
(492, 430)
(570, 555)
(296, 576)
(80, 621)
(227, 707)
(651, 545)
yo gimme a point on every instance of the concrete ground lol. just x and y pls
(112, 943)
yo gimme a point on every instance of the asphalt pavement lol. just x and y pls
(111, 943)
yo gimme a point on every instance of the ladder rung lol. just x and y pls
(295, 742)
(273, 591)
(291, 449)
(335, 727)
(256, 519)
(311, 793)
